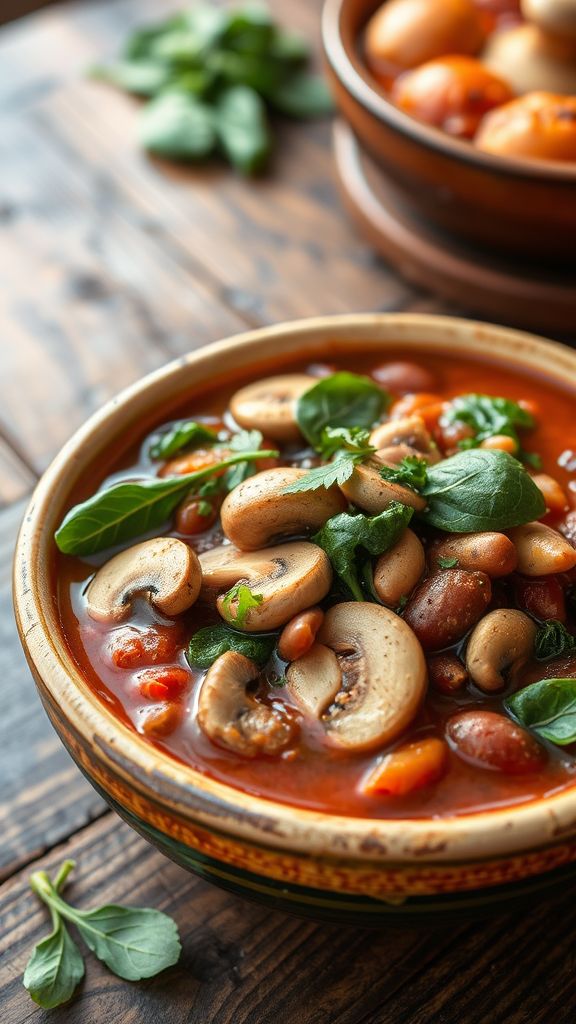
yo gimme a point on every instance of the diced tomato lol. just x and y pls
(132, 648)
(163, 684)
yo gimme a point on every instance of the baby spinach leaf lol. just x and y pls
(134, 943)
(552, 640)
(302, 95)
(242, 128)
(182, 434)
(345, 536)
(140, 77)
(341, 400)
(548, 707)
(243, 600)
(131, 508)
(480, 490)
(210, 642)
(410, 472)
(176, 124)
(55, 968)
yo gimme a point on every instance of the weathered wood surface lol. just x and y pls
(110, 264)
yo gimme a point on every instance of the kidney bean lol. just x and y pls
(492, 553)
(554, 496)
(563, 667)
(404, 377)
(500, 443)
(447, 673)
(195, 515)
(489, 740)
(299, 634)
(543, 597)
(446, 605)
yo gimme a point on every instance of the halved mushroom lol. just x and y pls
(288, 578)
(164, 568)
(232, 718)
(411, 433)
(382, 676)
(269, 405)
(367, 489)
(259, 511)
(503, 640)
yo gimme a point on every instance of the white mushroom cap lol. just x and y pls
(165, 568)
(382, 676)
(259, 511)
(269, 405)
(288, 577)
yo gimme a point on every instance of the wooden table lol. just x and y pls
(110, 265)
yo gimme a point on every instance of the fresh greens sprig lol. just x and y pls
(346, 538)
(488, 416)
(347, 447)
(180, 435)
(243, 441)
(548, 707)
(133, 943)
(211, 75)
(210, 642)
(131, 508)
(355, 440)
(238, 602)
(553, 640)
(411, 472)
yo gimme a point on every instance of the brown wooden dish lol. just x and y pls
(506, 205)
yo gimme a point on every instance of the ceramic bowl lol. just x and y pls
(312, 863)
(523, 207)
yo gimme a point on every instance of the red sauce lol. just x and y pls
(310, 774)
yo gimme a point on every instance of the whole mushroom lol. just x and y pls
(269, 405)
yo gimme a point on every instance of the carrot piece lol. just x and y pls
(408, 768)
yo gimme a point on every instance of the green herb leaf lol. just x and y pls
(410, 472)
(337, 472)
(349, 439)
(242, 128)
(141, 44)
(243, 441)
(210, 642)
(447, 563)
(553, 640)
(182, 434)
(488, 416)
(341, 400)
(134, 943)
(130, 509)
(345, 536)
(480, 490)
(548, 707)
(177, 125)
(302, 95)
(140, 77)
(55, 968)
(237, 603)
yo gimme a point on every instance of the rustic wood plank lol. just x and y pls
(16, 478)
(43, 795)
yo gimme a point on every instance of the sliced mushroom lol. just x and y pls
(288, 578)
(411, 432)
(541, 550)
(165, 568)
(259, 511)
(398, 570)
(269, 405)
(232, 718)
(383, 676)
(315, 679)
(502, 641)
(366, 488)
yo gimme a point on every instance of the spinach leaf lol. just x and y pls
(552, 640)
(176, 124)
(480, 490)
(242, 128)
(410, 472)
(182, 434)
(132, 508)
(341, 400)
(55, 968)
(548, 707)
(345, 536)
(140, 77)
(302, 95)
(238, 602)
(134, 943)
(210, 642)
(488, 416)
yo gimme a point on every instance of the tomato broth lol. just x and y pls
(311, 773)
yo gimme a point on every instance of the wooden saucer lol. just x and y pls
(539, 298)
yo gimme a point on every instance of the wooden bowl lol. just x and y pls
(526, 208)
(323, 865)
